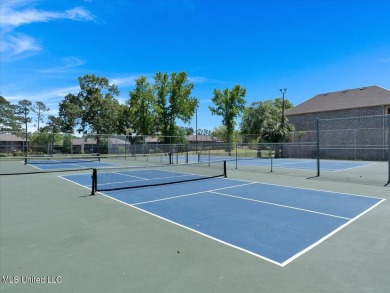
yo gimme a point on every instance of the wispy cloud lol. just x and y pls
(18, 44)
(69, 63)
(16, 13)
(51, 96)
(202, 79)
(13, 14)
(126, 81)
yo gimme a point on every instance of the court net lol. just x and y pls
(70, 159)
(137, 177)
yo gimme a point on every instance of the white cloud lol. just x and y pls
(18, 44)
(69, 63)
(202, 79)
(124, 81)
(15, 13)
(198, 79)
(12, 17)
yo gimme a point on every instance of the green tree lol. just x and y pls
(229, 104)
(70, 112)
(54, 124)
(40, 108)
(256, 117)
(100, 108)
(94, 109)
(23, 109)
(9, 120)
(219, 132)
(173, 102)
(124, 120)
(53, 127)
(142, 104)
(273, 131)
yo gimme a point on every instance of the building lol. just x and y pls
(84, 146)
(364, 101)
(11, 143)
(351, 119)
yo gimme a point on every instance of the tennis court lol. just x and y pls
(299, 164)
(68, 164)
(272, 222)
(249, 232)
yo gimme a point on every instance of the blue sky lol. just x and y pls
(308, 47)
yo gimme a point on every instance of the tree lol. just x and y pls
(229, 105)
(70, 111)
(94, 109)
(54, 124)
(219, 132)
(40, 108)
(259, 114)
(100, 108)
(142, 107)
(173, 102)
(23, 108)
(274, 131)
(124, 120)
(9, 121)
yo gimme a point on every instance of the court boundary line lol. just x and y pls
(283, 264)
(353, 167)
(306, 188)
(330, 234)
(188, 194)
(281, 205)
(195, 231)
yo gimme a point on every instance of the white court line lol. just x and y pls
(281, 205)
(239, 248)
(305, 188)
(196, 231)
(189, 194)
(328, 235)
(338, 170)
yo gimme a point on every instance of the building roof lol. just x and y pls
(200, 138)
(10, 137)
(83, 141)
(363, 97)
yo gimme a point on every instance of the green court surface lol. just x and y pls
(52, 231)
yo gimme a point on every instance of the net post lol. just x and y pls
(236, 156)
(187, 154)
(94, 181)
(198, 157)
(98, 155)
(224, 169)
(318, 146)
(25, 160)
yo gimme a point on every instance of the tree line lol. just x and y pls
(151, 109)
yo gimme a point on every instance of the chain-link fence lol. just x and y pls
(364, 139)
(347, 149)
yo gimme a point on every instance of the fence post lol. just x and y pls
(388, 150)
(318, 147)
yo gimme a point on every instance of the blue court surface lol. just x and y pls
(272, 222)
(67, 164)
(301, 164)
